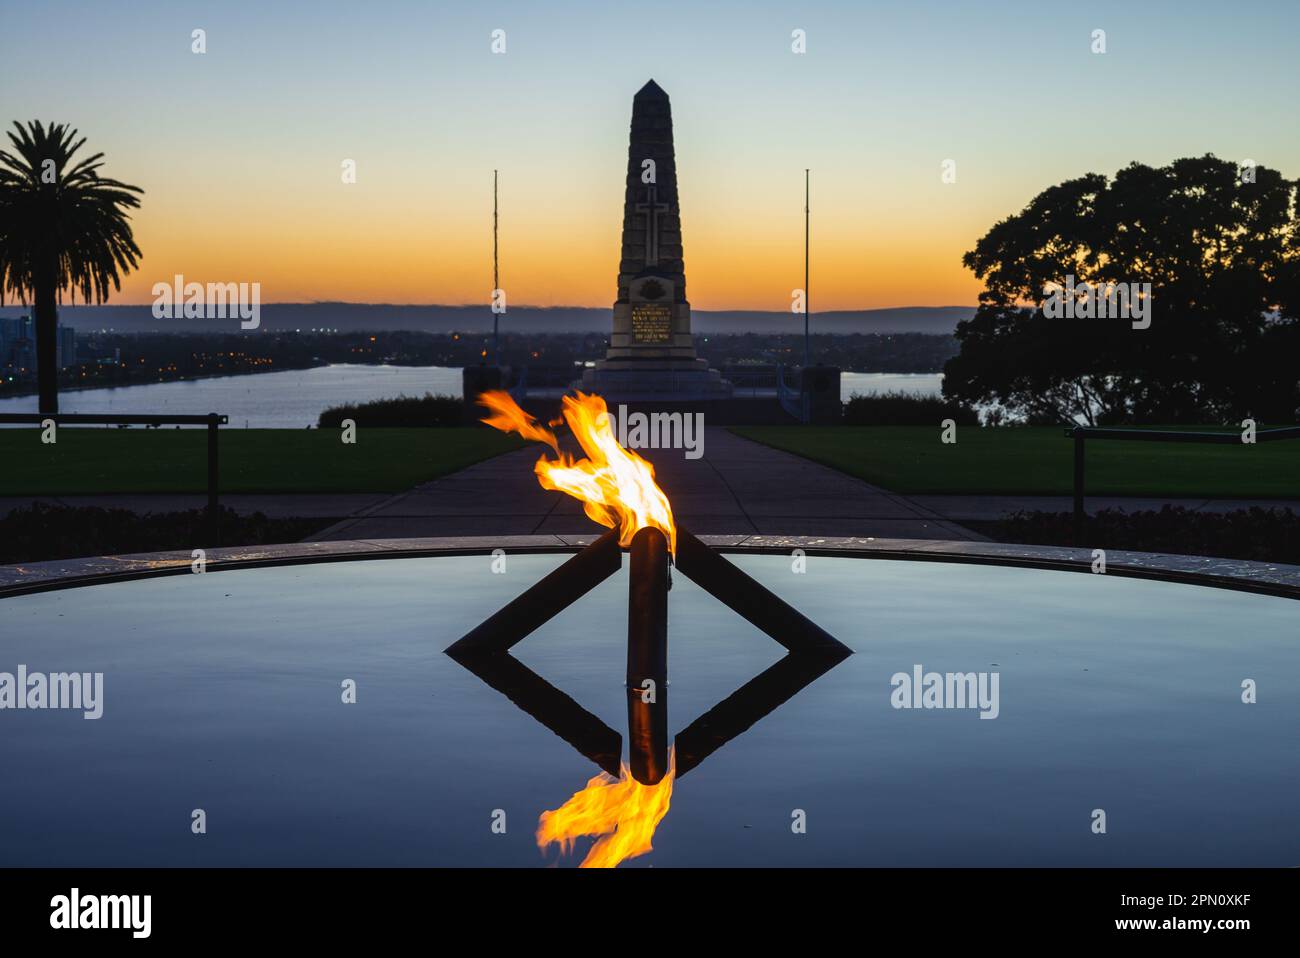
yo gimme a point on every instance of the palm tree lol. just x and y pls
(62, 227)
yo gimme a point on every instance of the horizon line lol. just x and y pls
(487, 306)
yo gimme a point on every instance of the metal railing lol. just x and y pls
(1080, 434)
(212, 420)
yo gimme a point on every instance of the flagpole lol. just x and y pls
(496, 281)
(806, 301)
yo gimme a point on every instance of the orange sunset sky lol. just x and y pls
(239, 149)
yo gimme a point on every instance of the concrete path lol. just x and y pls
(738, 487)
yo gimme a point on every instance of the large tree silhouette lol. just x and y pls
(63, 227)
(1219, 245)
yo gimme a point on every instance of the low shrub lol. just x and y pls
(427, 410)
(1261, 535)
(44, 531)
(905, 409)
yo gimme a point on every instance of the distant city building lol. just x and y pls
(18, 347)
(13, 330)
(113, 358)
(66, 348)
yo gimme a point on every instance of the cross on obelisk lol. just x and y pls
(651, 208)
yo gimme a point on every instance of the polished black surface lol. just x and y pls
(223, 692)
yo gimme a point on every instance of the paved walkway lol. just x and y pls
(738, 487)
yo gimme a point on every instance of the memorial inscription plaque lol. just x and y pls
(652, 323)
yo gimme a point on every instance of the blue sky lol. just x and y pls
(239, 149)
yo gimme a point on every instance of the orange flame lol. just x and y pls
(615, 485)
(622, 811)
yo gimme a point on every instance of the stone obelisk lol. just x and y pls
(651, 354)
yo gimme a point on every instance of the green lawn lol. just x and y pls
(89, 461)
(1038, 461)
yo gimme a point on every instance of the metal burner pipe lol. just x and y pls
(647, 657)
(712, 572)
(539, 604)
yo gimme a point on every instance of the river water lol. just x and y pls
(294, 399)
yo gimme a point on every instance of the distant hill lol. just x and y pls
(941, 320)
(278, 317)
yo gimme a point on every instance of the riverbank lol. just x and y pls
(281, 399)
(17, 390)
(295, 398)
